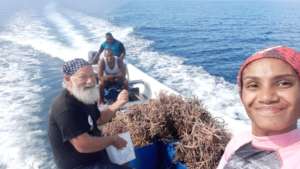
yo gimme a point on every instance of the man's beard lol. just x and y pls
(87, 95)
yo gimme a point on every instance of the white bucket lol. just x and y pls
(124, 155)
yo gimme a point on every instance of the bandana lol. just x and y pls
(288, 55)
(72, 66)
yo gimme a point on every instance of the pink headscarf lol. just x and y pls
(289, 55)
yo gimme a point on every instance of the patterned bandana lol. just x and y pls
(289, 55)
(72, 66)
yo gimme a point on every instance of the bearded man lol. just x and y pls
(75, 139)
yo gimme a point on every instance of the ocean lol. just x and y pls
(195, 47)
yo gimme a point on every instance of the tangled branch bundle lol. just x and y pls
(201, 138)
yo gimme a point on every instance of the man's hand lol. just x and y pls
(119, 142)
(110, 112)
(122, 98)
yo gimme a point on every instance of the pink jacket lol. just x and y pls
(275, 152)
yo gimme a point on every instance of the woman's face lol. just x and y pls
(271, 96)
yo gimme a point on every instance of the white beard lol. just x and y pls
(87, 95)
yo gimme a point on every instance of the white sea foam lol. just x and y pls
(22, 140)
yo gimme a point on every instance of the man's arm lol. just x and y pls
(123, 52)
(122, 67)
(110, 112)
(85, 143)
(101, 70)
(99, 53)
(121, 75)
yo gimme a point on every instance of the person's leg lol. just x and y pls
(110, 92)
(121, 84)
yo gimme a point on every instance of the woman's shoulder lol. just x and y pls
(239, 139)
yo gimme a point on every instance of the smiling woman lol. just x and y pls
(271, 96)
(269, 84)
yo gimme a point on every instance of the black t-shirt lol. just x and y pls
(69, 118)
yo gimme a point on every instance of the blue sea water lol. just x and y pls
(192, 46)
(215, 35)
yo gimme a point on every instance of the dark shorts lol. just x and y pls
(112, 90)
(116, 84)
(100, 165)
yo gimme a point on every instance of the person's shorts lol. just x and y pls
(112, 90)
(117, 84)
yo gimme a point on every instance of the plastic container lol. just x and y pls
(168, 153)
(123, 155)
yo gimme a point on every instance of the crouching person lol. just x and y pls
(76, 141)
(112, 72)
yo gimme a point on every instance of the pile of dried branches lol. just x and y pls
(201, 138)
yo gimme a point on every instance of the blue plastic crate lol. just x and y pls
(157, 155)
(168, 153)
(146, 157)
